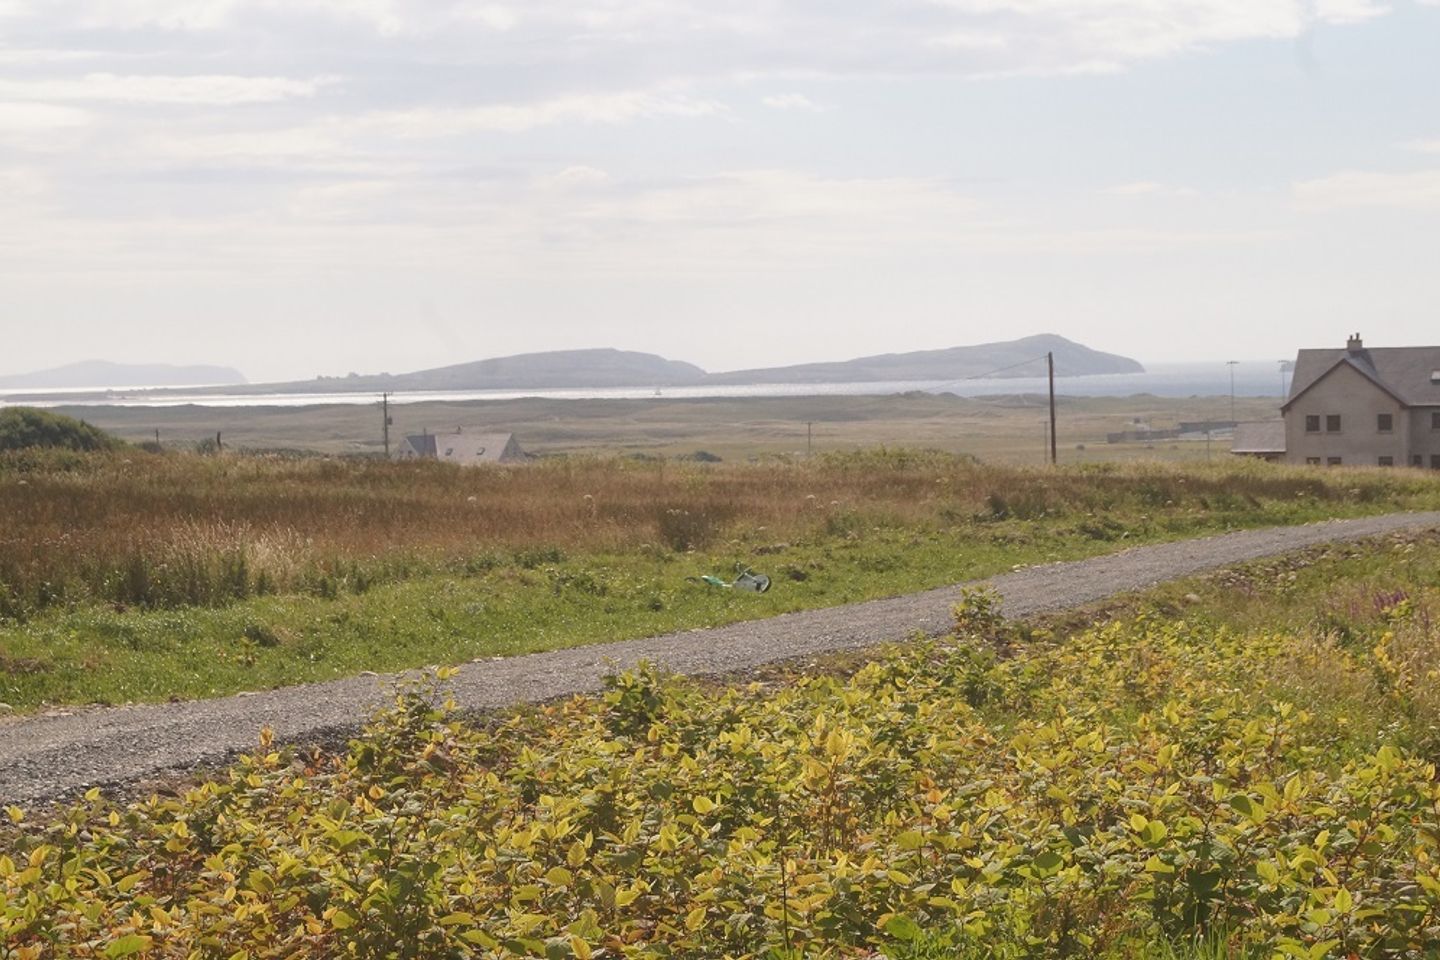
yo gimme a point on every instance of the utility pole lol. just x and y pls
(1231, 364)
(1050, 363)
(385, 421)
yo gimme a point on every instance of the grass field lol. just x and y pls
(137, 577)
(1239, 766)
(995, 429)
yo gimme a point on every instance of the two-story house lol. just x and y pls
(1360, 407)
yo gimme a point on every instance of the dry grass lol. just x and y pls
(172, 530)
(1004, 429)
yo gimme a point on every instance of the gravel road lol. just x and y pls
(49, 757)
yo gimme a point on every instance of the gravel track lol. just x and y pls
(52, 756)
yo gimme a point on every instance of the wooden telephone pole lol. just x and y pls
(385, 421)
(1050, 363)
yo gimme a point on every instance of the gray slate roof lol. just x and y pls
(467, 447)
(1403, 371)
(1259, 436)
(474, 447)
(424, 444)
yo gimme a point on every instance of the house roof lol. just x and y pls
(473, 447)
(422, 443)
(1406, 373)
(1259, 436)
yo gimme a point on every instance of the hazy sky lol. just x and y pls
(317, 186)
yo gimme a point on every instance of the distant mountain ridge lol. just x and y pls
(627, 368)
(556, 368)
(1004, 359)
(97, 374)
(583, 369)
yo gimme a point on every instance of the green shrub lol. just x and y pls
(25, 428)
(1138, 789)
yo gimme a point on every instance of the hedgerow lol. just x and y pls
(1139, 782)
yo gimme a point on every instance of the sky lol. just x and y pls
(304, 187)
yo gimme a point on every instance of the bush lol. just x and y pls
(25, 428)
(1137, 784)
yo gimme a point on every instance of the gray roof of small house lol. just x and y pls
(422, 443)
(1404, 372)
(1259, 436)
(472, 447)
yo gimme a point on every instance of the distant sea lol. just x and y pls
(1251, 379)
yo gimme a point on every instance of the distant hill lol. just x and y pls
(556, 368)
(562, 369)
(627, 368)
(1071, 360)
(93, 374)
(525, 371)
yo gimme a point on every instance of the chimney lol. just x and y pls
(1354, 344)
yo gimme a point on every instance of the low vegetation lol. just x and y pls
(136, 576)
(24, 428)
(1253, 778)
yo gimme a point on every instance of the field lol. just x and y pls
(995, 429)
(143, 577)
(1240, 766)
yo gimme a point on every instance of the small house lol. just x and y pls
(1365, 406)
(1260, 439)
(466, 449)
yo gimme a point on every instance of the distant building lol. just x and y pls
(462, 448)
(1364, 407)
(1261, 439)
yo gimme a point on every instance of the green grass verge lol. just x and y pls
(96, 653)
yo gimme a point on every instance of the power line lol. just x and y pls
(987, 375)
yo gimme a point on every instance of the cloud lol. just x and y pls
(28, 117)
(607, 108)
(573, 178)
(658, 40)
(40, 127)
(22, 183)
(792, 101)
(29, 56)
(1148, 188)
(1414, 190)
(384, 17)
(213, 90)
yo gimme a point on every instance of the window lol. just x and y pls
(1385, 422)
(1332, 423)
(1333, 461)
(1313, 461)
(1435, 461)
(1387, 461)
(1435, 420)
(1312, 422)
(1417, 461)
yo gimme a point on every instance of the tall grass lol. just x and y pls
(176, 530)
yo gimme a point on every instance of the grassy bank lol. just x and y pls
(1252, 779)
(138, 577)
